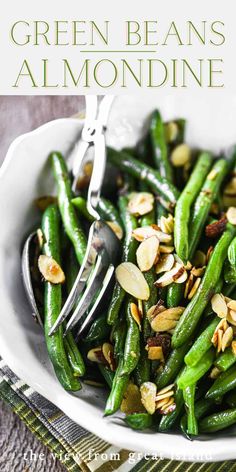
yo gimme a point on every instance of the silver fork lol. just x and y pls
(103, 246)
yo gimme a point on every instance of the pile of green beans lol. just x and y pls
(187, 365)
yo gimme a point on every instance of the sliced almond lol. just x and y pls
(40, 238)
(140, 307)
(116, 229)
(147, 253)
(154, 310)
(198, 272)
(181, 155)
(135, 312)
(194, 288)
(132, 280)
(155, 353)
(166, 249)
(188, 266)
(108, 353)
(161, 396)
(51, 270)
(96, 355)
(167, 224)
(165, 389)
(231, 215)
(215, 372)
(181, 276)
(153, 230)
(171, 131)
(217, 337)
(167, 319)
(231, 317)
(148, 392)
(227, 338)
(168, 277)
(233, 345)
(165, 263)
(232, 305)
(188, 285)
(219, 305)
(141, 203)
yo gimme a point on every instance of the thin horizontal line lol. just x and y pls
(124, 51)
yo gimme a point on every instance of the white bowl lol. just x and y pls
(24, 176)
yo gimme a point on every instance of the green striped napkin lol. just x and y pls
(76, 448)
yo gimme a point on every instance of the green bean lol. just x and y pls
(195, 308)
(128, 255)
(218, 421)
(187, 197)
(203, 203)
(139, 421)
(67, 210)
(230, 399)
(175, 293)
(192, 374)
(229, 273)
(107, 374)
(108, 211)
(201, 345)
(53, 302)
(223, 384)
(118, 338)
(72, 269)
(142, 370)
(225, 360)
(119, 386)
(152, 177)
(172, 366)
(74, 356)
(81, 204)
(132, 344)
(189, 400)
(200, 409)
(99, 330)
(160, 153)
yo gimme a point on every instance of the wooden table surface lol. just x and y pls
(19, 115)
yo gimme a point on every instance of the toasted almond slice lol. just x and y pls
(168, 277)
(155, 353)
(188, 266)
(166, 320)
(218, 305)
(50, 270)
(153, 230)
(148, 392)
(194, 288)
(232, 305)
(136, 314)
(220, 334)
(231, 317)
(108, 352)
(227, 338)
(199, 259)
(40, 238)
(166, 249)
(166, 389)
(140, 307)
(165, 263)
(233, 345)
(116, 228)
(161, 396)
(167, 224)
(231, 215)
(180, 155)
(96, 355)
(181, 276)
(132, 280)
(198, 272)
(171, 131)
(154, 310)
(141, 203)
(147, 253)
(188, 285)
